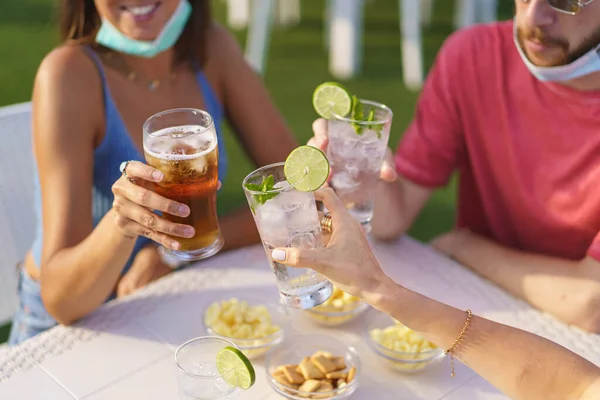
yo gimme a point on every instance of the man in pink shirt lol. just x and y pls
(514, 107)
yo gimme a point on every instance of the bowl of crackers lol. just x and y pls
(313, 367)
(339, 309)
(253, 324)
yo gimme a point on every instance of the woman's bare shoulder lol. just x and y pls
(68, 89)
(69, 62)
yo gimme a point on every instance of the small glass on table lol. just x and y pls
(182, 144)
(356, 150)
(287, 217)
(197, 374)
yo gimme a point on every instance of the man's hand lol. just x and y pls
(567, 289)
(447, 243)
(147, 267)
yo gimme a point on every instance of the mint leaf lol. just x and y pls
(375, 127)
(253, 187)
(267, 185)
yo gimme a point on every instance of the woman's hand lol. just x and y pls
(347, 260)
(146, 267)
(320, 141)
(134, 204)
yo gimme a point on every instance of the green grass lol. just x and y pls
(296, 64)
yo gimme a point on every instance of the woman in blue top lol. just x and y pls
(121, 62)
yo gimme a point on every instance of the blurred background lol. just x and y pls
(296, 62)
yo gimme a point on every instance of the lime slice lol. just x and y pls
(235, 368)
(331, 97)
(306, 168)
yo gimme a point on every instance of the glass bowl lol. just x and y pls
(295, 348)
(411, 361)
(253, 346)
(338, 309)
(327, 315)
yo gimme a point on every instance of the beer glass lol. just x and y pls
(182, 144)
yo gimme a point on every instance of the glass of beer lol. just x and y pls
(182, 144)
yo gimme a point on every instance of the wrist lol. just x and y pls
(401, 304)
(116, 223)
(381, 294)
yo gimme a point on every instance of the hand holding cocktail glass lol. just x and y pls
(354, 133)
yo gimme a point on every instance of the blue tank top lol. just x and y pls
(116, 147)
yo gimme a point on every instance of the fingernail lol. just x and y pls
(175, 245)
(278, 255)
(157, 175)
(189, 232)
(183, 210)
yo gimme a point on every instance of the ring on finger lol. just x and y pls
(123, 169)
(327, 222)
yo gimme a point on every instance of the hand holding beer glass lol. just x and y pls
(180, 147)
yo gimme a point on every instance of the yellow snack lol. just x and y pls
(339, 302)
(238, 320)
(400, 339)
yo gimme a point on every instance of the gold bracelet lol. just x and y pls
(458, 340)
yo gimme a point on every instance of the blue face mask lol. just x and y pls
(111, 37)
(584, 65)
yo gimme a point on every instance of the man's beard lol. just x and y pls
(565, 57)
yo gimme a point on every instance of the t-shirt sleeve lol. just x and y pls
(594, 249)
(430, 149)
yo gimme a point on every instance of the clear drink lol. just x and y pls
(182, 144)
(197, 374)
(356, 151)
(286, 217)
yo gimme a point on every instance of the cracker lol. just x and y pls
(310, 386)
(291, 374)
(339, 362)
(351, 374)
(336, 375)
(325, 365)
(309, 370)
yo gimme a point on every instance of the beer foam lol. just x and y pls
(160, 145)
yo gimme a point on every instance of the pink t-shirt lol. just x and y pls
(527, 152)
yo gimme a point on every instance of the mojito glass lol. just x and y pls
(356, 151)
(197, 374)
(286, 217)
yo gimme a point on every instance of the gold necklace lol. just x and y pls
(132, 76)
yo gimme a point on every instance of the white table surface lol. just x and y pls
(124, 350)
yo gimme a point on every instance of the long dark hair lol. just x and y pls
(79, 22)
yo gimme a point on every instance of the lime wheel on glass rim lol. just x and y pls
(235, 368)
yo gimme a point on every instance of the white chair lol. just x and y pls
(17, 217)
(259, 34)
(469, 12)
(238, 13)
(287, 12)
(344, 32)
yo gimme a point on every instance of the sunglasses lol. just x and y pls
(571, 7)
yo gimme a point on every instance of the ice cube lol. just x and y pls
(306, 240)
(270, 219)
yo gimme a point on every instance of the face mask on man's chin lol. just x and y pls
(584, 65)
